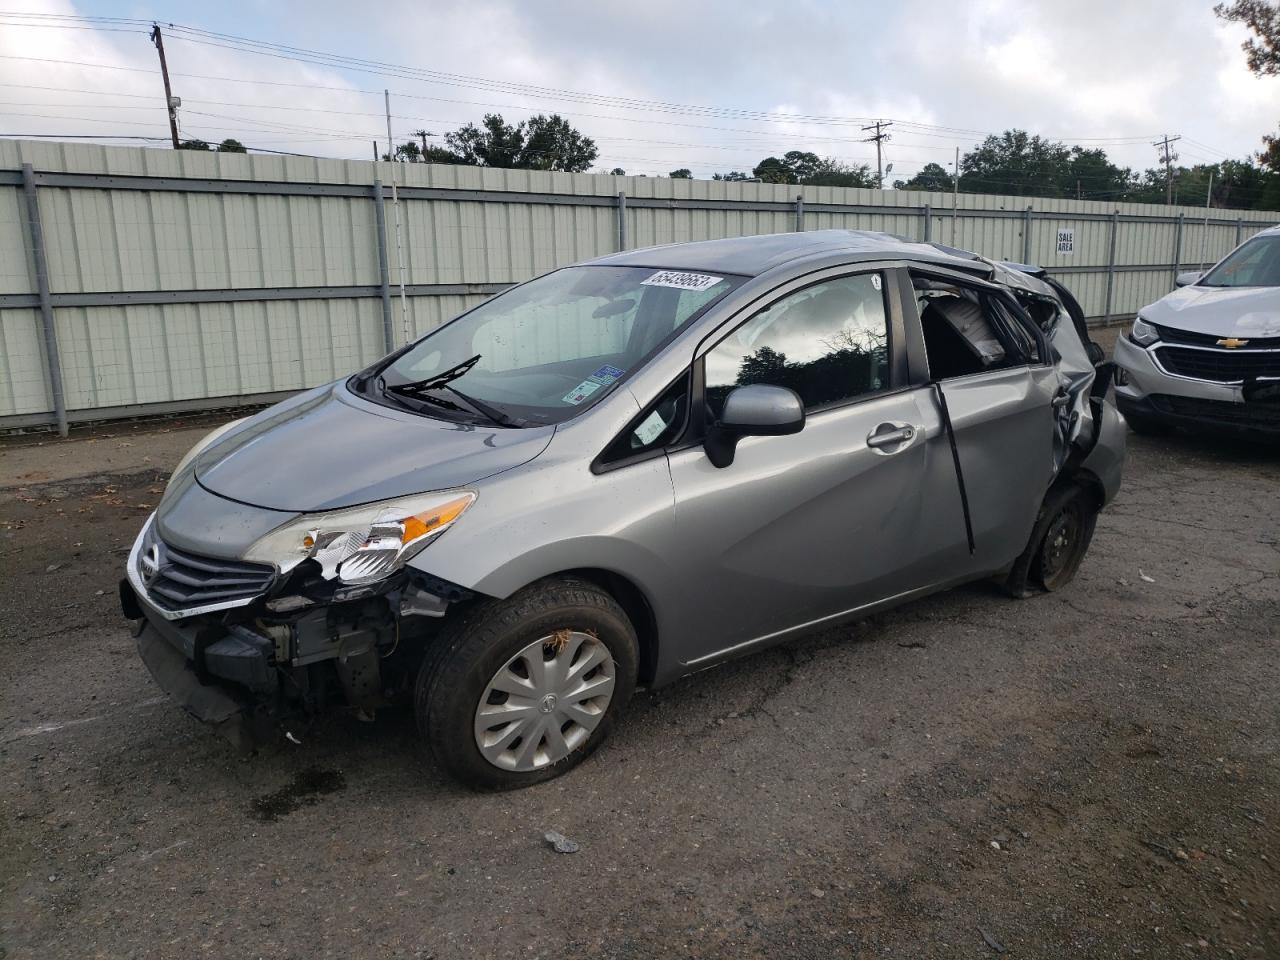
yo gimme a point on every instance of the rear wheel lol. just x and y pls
(1066, 538)
(521, 690)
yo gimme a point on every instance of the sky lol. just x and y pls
(712, 86)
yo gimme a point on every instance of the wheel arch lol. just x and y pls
(635, 604)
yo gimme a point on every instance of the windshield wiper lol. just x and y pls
(418, 389)
(493, 413)
(439, 380)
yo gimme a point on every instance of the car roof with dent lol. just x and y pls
(752, 256)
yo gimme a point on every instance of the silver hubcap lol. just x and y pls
(545, 701)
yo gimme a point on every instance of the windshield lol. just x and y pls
(1254, 264)
(544, 351)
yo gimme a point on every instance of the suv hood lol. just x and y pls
(1221, 311)
(328, 448)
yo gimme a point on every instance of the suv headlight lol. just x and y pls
(362, 544)
(1144, 334)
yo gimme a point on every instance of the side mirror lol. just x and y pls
(1188, 278)
(758, 410)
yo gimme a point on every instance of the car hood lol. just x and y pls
(328, 448)
(1242, 312)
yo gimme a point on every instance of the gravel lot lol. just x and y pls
(1092, 773)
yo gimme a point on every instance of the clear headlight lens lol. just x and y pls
(362, 544)
(1143, 334)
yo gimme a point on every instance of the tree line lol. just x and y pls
(1014, 163)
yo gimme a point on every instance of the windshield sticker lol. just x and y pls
(650, 427)
(583, 390)
(605, 375)
(681, 281)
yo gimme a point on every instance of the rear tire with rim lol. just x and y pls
(1072, 515)
(521, 690)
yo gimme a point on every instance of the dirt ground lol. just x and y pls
(1092, 773)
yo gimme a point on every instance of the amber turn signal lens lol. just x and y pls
(422, 524)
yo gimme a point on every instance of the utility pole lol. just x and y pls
(955, 197)
(395, 206)
(1167, 157)
(170, 101)
(878, 137)
(1204, 234)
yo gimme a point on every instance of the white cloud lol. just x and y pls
(1113, 73)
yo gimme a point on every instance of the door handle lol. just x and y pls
(888, 435)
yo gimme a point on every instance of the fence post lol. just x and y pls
(1239, 229)
(622, 220)
(1026, 234)
(384, 275)
(1111, 265)
(927, 212)
(799, 213)
(52, 362)
(1177, 246)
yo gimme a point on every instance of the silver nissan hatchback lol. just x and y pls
(620, 473)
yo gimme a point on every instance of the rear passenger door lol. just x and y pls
(986, 358)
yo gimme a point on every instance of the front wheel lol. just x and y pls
(521, 690)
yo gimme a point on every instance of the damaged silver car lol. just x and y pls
(620, 473)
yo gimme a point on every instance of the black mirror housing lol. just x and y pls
(757, 410)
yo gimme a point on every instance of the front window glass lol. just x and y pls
(1256, 264)
(545, 351)
(828, 343)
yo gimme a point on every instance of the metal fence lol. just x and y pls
(138, 280)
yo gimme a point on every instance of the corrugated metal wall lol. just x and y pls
(182, 279)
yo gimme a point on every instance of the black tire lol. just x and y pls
(469, 652)
(1146, 426)
(1070, 514)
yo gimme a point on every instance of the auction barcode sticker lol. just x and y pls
(681, 281)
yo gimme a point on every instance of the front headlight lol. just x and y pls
(1144, 334)
(362, 544)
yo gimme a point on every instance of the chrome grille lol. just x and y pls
(179, 580)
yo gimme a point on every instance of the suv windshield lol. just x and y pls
(546, 350)
(1255, 264)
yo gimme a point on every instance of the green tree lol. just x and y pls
(802, 167)
(682, 174)
(733, 176)
(539, 143)
(495, 143)
(932, 176)
(230, 145)
(1017, 163)
(1091, 176)
(550, 143)
(833, 173)
(618, 172)
(1262, 54)
(1262, 51)
(772, 170)
(194, 145)
(434, 154)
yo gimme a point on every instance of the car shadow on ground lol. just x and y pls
(389, 752)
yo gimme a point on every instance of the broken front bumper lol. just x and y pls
(213, 672)
(277, 652)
